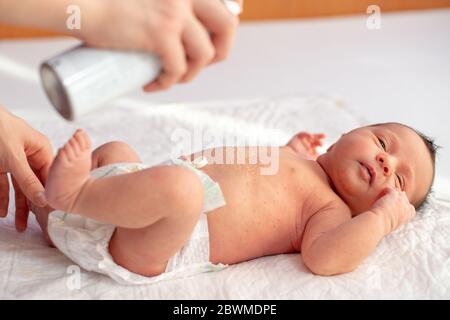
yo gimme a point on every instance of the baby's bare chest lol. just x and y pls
(264, 214)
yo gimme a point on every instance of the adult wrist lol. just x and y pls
(76, 17)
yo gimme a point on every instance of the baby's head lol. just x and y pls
(363, 162)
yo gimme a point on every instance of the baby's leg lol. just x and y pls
(108, 153)
(113, 152)
(155, 209)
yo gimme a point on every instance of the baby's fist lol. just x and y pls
(394, 208)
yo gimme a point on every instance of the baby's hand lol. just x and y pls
(395, 209)
(306, 144)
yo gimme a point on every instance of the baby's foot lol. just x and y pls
(69, 172)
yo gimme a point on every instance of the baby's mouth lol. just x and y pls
(370, 172)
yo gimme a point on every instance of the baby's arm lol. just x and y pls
(306, 144)
(335, 243)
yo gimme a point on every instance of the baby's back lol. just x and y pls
(264, 214)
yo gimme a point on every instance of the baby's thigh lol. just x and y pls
(175, 196)
(113, 152)
(147, 250)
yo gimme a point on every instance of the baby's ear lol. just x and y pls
(330, 147)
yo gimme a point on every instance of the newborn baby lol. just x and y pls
(141, 224)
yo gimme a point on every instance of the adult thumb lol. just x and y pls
(29, 183)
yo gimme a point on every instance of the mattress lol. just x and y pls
(413, 262)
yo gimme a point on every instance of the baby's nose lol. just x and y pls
(384, 164)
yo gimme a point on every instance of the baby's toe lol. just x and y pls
(83, 139)
(75, 146)
(69, 152)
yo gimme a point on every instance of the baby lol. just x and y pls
(141, 224)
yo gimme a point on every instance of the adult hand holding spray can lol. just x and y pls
(83, 78)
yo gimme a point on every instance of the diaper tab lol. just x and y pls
(213, 197)
(199, 162)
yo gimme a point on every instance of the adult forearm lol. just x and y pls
(43, 14)
(344, 248)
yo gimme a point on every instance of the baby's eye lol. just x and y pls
(399, 181)
(383, 145)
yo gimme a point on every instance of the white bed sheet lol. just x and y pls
(414, 262)
(399, 73)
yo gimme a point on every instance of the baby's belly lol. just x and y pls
(233, 240)
(259, 218)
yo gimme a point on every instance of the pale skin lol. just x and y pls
(328, 208)
(26, 155)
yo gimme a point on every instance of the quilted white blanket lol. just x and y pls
(413, 262)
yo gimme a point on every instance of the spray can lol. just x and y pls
(82, 79)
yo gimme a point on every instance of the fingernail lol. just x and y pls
(41, 200)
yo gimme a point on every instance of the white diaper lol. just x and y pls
(86, 241)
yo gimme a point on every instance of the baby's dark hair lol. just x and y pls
(432, 148)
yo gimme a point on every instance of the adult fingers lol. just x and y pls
(220, 23)
(199, 48)
(27, 181)
(4, 194)
(241, 3)
(41, 160)
(174, 63)
(22, 210)
(38, 151)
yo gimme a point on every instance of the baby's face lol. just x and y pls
(367, 160)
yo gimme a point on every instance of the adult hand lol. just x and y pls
(220, 24)
(26, 154)
(187, 35)
(41, 214)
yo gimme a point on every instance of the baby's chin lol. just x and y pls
(347, 184)
(354, 195)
